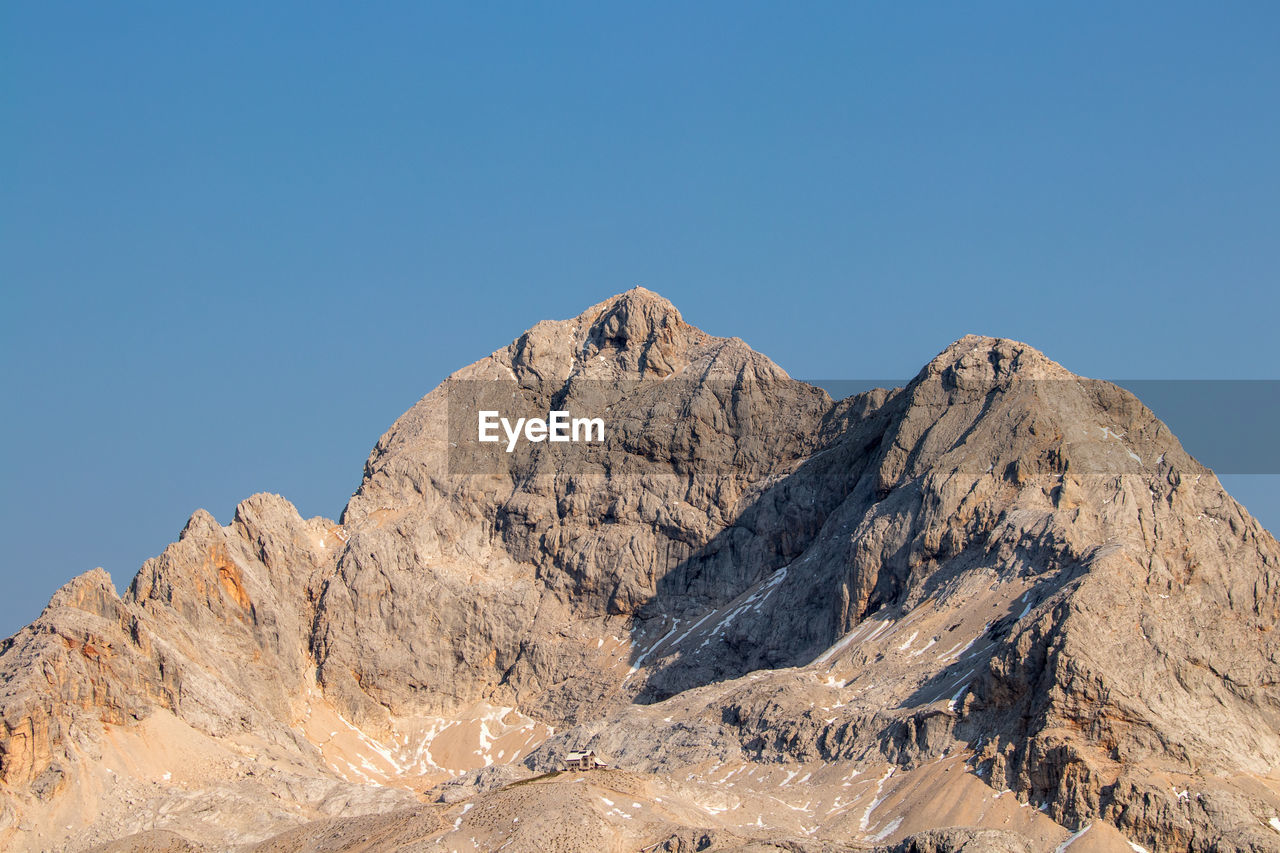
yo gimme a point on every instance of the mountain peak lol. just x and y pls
(973, 586)
(982, 358)
(641, 295)
(637, 316)
(635, 334)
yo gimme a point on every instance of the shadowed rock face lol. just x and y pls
(999, 560)
(589, 541)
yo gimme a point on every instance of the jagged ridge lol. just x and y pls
(1118, 599)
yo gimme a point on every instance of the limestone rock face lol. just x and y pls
(85, 659)
(581, 544)
(237, 602)
(962, 841)
(987, 610)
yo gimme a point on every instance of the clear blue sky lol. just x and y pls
(236, 242)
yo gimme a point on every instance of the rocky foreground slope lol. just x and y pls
(997, 609)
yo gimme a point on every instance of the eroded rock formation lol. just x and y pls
(1000, 584)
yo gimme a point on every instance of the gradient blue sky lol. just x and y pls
(237, 242)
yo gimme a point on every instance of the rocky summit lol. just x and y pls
(996, 609)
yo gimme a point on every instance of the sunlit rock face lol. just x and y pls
(997, 609)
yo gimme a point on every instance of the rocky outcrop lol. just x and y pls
(237, 604)
(581, 542)
(86, 659)
(1000, 564)
(213, 632)
(1145, 647)
(962, 840)
(156, 841)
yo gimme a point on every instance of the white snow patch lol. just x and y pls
(694, 627)
(848, 640)
(457, 824)
(640, 660)
(924, 648)
(951, 704)
(1107, 432)
(1072, 840)
(953, 653)
(864, 822)
(888, 830)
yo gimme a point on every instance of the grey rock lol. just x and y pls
(962, 840)
(730, 576)
(153, 841)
